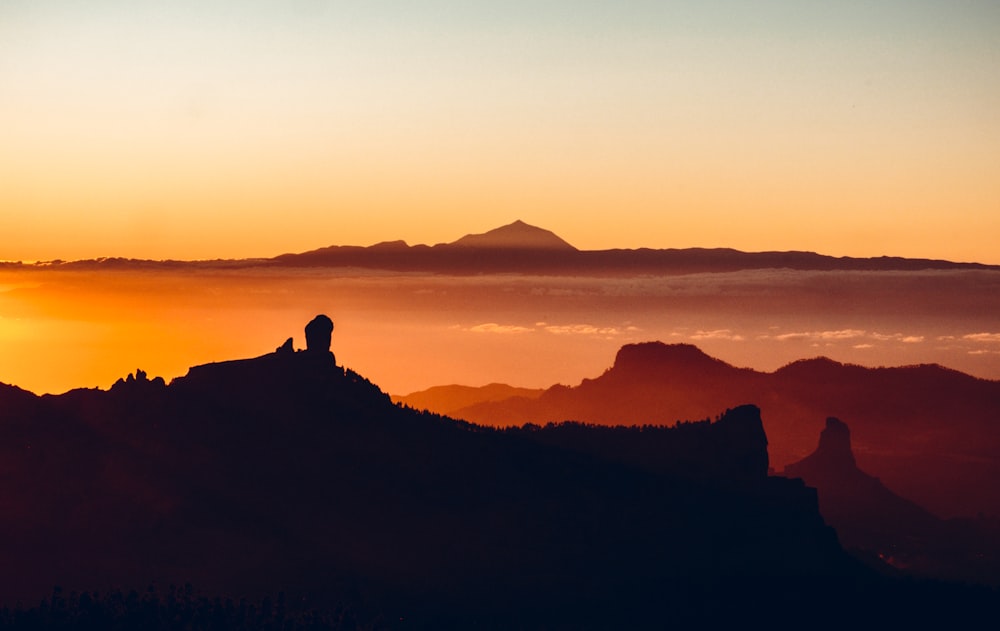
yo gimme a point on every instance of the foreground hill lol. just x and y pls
(931, 433)
(290, 473)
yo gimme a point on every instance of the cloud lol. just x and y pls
(718, 334)
(493, 327)
(984, 352)
(555, 329)
(897, 337)
(863, 346)
(842, 334)
(784, 337)
(982, 337)
(846, 334)
(582, 329)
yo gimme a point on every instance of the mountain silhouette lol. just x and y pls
(523, 248)
(448, 399)
(859, 504)
(290, 472)
(878, 523)
(515, 236)
(927, 431)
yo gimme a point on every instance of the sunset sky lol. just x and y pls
(223, 128)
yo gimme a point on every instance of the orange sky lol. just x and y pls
(64, 329)
(225, 129)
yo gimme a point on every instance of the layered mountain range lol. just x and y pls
(929, 432)
(289, 472)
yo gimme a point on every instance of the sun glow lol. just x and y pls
(64, 329)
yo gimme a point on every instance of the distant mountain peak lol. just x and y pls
(398, 244)
(645, 356)
(518, 235)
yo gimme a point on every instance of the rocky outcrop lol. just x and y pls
(879, 524)
(832, 455)
(318, 334)
(139, 380)
(850, 499)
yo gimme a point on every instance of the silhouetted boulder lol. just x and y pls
(318, 334)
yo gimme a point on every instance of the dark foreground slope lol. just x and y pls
(288, 473)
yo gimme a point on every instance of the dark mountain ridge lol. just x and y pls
(469, 255)
(930, 432)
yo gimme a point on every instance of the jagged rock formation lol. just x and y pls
(859, 504)
(139, 377)
(878, 523)
(833, 454)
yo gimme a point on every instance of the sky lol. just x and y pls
(224, 128)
